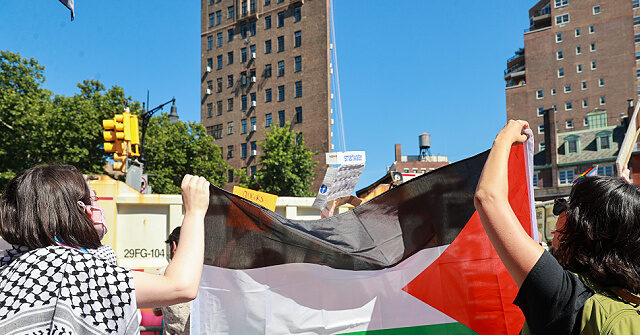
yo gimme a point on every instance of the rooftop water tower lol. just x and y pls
(424, 140)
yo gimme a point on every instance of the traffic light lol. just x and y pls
(114, 135)
(134, 144)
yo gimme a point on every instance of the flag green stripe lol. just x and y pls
(455, 328)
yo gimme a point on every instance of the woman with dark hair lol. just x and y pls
(596, 269)
(53, 281)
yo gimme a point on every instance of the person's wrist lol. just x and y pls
(500, 141)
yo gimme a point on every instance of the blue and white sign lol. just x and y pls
(340, 180)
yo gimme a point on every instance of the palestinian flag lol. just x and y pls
(414, 260)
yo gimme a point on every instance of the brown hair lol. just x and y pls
(41, 204)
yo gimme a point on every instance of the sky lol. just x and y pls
(422, 66)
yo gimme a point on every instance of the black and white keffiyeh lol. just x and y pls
(61, 290)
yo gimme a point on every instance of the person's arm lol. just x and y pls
(182, 277)
(517, 250)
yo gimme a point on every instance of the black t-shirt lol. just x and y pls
(551, 298)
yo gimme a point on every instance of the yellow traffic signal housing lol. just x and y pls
(119, 126)
(134, 144)
(119, 166)
(109, 135)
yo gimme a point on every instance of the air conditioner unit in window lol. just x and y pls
(254, 103)
(254, 79)
(253, 55)
(254, 127)
(208, 91)
(254, 152)
(208, 68)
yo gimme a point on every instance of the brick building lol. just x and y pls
(572, 82)
(265, 63)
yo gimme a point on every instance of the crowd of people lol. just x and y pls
(57, 277)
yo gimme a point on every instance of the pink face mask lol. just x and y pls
(96, 214)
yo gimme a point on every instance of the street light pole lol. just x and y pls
(146, 117)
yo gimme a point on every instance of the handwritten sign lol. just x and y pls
(266, 200)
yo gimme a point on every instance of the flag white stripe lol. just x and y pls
(311, 299)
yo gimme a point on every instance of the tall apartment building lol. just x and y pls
(265, 63)
(574, 82)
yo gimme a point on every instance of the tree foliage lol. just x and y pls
(286, 166)
(38, 127)
(175, 149)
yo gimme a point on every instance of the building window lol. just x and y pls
(571, 144)
(252, 49)
(267, 22)
(210, 85)
(578, 50)
(602, 101)
(584, 84)
(568, 124)
(230, 80)
(253, 125)
(541, 146)
(601, 82)
(217, 131)
(281, 68)
(562, 19)
(209, 42)
(212, 20)
(638, 74)
(298, 64)
(568, 106)
(560, 72)
(636, 3)
(567, 88)
(280, 19)
(297, 39)
(267, 46)
(603, 140)
(558, 37)
(560, 3)
(219, 62)
(592, 29)
(229, 35)
(281, 119)
(267, 95)
(592, 47)
(539, 94)
(252, 6)
(298, 89)
(219, 108)
(229, 132)
(297, 14)
(585, 103)
(540, 111)
(218, 17)
(596, 10)
(267, 122)
(253, 168)
(243, 124)
(245, 10)
(606, 170)
(577, 32)
(253, 98)
(252, 28)
(219, 85)
(555, 107)
(243, 148)
(267, 2)
(597, 120)
(541, 129)
(559, 55)
(298, 118)
(585, 122)
(243, 55)
(229, 104)
(230, 57)
(243, 31)
(593, 65)
(565, 177)
(536, 178)
(209, 110)
(267, 70)
(553, 91)
(280, 43)
(209, 64)
(230, 12)
(230, 175)
(281, 93)
(243, 102)
(579, 68)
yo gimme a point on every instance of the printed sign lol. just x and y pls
(266, 200)
(346, 157)
(340, 181)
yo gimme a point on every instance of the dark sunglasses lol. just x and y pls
(559, 206)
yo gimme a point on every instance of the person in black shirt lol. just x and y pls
(597, 236)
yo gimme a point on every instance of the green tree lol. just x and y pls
(286, 167)
(175, 149)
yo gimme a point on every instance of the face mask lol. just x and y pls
(96, 214)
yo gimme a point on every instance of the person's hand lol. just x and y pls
(195, 194)
(625, 174)
(513, 132)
